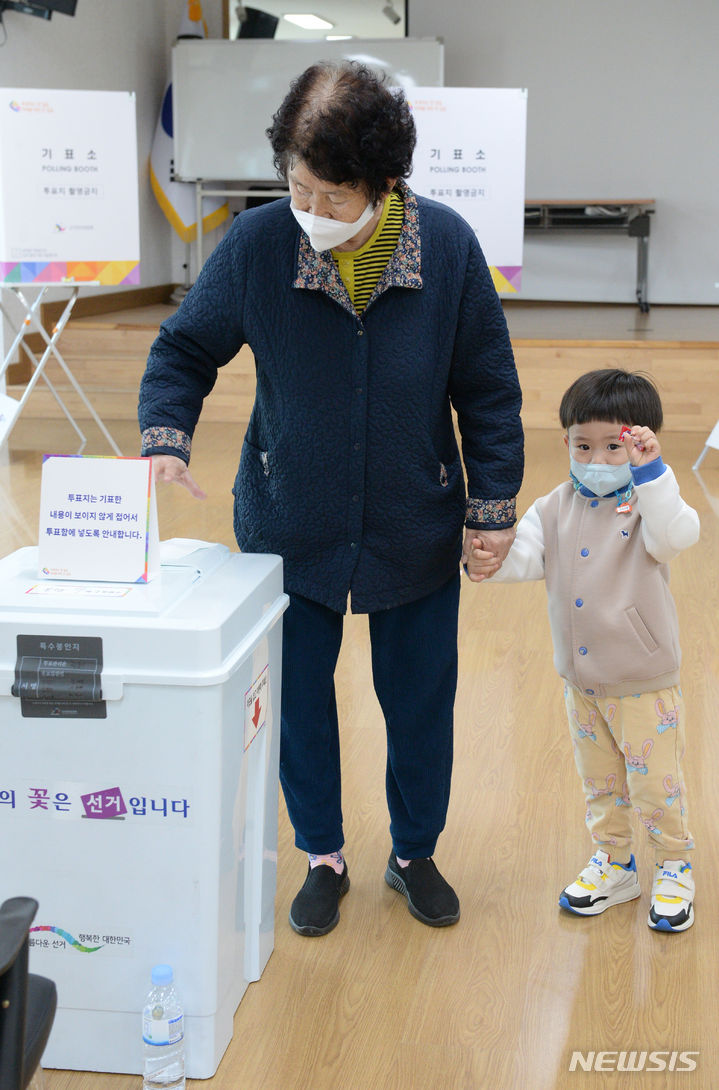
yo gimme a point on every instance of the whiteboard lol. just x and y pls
(224, 94)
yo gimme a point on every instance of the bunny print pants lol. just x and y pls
(628, 752)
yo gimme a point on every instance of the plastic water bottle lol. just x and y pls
(163, 1034)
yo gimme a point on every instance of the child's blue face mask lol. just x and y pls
(601, 479)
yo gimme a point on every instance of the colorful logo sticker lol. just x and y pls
(68, 939)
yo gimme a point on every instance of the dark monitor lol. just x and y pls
(66, 7)
(43, 9)
(258, 24)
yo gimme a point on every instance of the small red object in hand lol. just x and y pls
(628, 431)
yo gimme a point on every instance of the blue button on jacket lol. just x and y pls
(350, 469)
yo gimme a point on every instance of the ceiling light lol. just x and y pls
(309, 22)
(337, 37)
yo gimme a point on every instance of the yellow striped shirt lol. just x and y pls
(361, 269)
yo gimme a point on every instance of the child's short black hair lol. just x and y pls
(624, 397)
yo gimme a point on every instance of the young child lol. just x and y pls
(602, 541)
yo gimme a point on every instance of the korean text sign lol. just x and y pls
(470, 154)
(68, 187)
(98, 519)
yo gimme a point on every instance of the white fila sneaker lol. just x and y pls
(600, 885)
(672, 904)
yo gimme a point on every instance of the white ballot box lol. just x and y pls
(139, 743)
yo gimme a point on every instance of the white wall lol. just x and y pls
(622, 103)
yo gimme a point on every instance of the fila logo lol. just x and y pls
(633, 1061)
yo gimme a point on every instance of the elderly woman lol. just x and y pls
(370, 312)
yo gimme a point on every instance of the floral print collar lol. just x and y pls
(319, 272)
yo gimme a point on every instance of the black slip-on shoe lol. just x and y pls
(315, 909)
(430, 898)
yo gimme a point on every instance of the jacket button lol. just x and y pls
(353, 544)
(579, 603)
(355, 499)
(582, 650)
(589, 692)
(594, 503)
(584, 552)
(360, 332)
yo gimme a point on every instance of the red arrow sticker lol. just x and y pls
(256, 705)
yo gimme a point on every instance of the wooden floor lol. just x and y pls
(610, 322)
(503, 999)
(679, 346)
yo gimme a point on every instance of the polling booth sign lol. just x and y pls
(470, 154)
(69, 217)
(68, 187)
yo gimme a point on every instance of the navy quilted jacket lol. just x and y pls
(350, 468)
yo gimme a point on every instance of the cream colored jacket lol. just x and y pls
(612, 615)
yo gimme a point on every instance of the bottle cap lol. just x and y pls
(162, 974)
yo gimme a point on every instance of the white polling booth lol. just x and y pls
(139, 732)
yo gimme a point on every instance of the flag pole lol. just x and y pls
(176, 198)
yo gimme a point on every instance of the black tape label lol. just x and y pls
(59, 677)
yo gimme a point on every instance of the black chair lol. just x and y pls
(27, 1001)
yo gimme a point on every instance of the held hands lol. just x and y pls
(641, 445)
(167, 467)
(484, 551)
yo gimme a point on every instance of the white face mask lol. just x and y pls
(327, 234)
(601, 479)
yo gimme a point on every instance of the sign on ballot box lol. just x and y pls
(98, 519)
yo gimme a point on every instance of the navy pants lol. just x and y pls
(414, 670)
